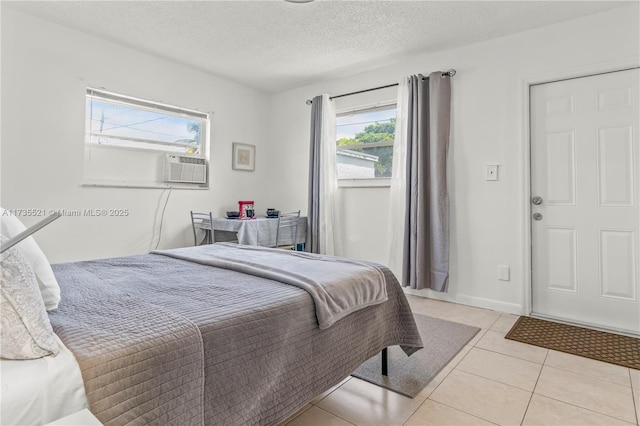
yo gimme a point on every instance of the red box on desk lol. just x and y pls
(243, 206)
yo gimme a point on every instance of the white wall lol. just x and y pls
(45, 70)
(46, 67)
(488, 220)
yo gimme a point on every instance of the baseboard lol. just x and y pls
(464, 299)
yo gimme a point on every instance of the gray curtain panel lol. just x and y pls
(313, 212)
(426, 239)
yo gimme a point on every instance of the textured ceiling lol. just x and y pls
(274, 45)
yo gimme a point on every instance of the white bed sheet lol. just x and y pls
(39, 391)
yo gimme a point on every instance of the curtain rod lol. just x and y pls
(449, 73)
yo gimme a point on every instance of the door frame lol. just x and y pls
(526, 83)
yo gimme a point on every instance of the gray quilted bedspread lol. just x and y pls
(337, 285)
(170, 342)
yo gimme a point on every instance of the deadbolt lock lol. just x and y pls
(536, 200)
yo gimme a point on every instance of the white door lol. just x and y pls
(585, 224)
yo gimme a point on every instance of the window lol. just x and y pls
(120, 121)
(131, 142)
(365, 142)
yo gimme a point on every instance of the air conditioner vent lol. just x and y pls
(184, 169)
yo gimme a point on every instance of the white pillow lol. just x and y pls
(25, 330)
(11, 226)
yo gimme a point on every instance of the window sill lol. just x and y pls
(364, 183)
(104, 183)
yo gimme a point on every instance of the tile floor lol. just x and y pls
(491, 381)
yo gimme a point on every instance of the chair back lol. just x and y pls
(202, 222)
(287, 231)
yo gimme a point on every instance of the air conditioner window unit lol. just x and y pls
(185, 169)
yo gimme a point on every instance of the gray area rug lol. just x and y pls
(409, 375)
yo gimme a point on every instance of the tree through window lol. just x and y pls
(365, 143)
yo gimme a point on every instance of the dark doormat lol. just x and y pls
(599, 345)
(442, 340)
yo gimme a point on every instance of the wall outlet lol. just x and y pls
(503, 273)
(491, 172)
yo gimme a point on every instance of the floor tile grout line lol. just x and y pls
(458, 321)
(417, 408)
(497, 381)
(633, 399)
(530, 398)
(437, 386)
(368, 384)
(469, 307)
(528, 404)
(462, 411)
(512, 356)
(494, 322)
(334, 414)
(335, 388)
(455, 368)
(583, 408)
(589, 377)
(461, 306)
(297, 414)
(533, 392)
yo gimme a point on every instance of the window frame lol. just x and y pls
(372, 181)
(150, 106)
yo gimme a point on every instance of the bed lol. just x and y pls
(40, 390)
(173, 338)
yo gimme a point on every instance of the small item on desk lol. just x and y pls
(273, 213)
(250, 213)
(243, 206)
(233, 215)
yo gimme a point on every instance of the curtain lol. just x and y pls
(420, 205)
(398, 189)
(323, 218)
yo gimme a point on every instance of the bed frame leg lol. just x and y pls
(384, 362)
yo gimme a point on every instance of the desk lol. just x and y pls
(260, 231)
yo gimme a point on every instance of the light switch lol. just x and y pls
(503, 272)
(491, 172)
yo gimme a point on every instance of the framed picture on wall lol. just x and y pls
(244, 157)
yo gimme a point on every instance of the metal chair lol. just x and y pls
(287, 230)
(202, 222)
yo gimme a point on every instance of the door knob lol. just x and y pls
(536, 200)
(537, 216)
